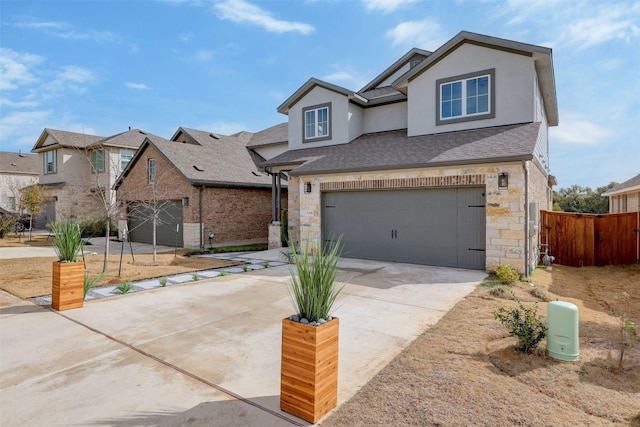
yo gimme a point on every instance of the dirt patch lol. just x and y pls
(463, 370)
(31, 277)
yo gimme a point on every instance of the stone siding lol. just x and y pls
(505, 208)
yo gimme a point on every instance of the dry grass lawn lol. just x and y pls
(463, 371)
(31, 277)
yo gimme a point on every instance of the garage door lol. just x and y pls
(141, 224)
(444, 227)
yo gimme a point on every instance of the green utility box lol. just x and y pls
(562, 333)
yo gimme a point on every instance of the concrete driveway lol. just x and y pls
(204, 353)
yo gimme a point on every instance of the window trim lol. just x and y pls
(151, 166)
(54, 162)
(467, 118)
(94, 158)
(326, 105)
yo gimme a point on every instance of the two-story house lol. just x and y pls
(17, 171)
(442, 159)
(77, 171)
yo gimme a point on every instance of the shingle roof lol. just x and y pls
(628, 184)
(18, 163)
(132, 138)
(273, 135)
(396, 150)
(66, 139)
(215, 160)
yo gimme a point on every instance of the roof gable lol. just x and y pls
(542, 57)
(408, 59)
(133, 138)
(306, 88)
(63, 139)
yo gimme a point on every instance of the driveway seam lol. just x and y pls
(182, 371)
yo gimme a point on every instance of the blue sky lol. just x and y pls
(101, 66)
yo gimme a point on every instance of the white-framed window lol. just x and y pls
(125, 157)
(12, 203)
(466, 97)
(152, 170)
(97, 160)
(50, 162)
(317, 122)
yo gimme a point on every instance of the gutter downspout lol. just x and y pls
(200, 214)
(525, 166)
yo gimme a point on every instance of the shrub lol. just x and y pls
(95, 227)
(627, 328)
(245, 267)
(90, 283)
(125, 287)
(224, 272)
(195, 276)
(507, 274)
(523, 322)
(539, 293)
(498, 291)
(163, 281)
(67, 239)
(7, 225)
(313, 287)
(265, 264)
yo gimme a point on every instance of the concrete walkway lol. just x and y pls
(206, 352)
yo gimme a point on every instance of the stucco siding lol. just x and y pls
(269, 151)
(385, 117)
(339, 118)
(513, 101)
(355, 117)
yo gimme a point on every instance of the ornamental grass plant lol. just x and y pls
(313, 283)
(67, 239)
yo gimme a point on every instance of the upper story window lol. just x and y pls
(317, 123)
(97, 160)
(12, 203)
(466, 97)
(125, 157)
(50, 162)
(152, 171)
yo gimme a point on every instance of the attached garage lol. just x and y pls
(441, 226)
(170, 220)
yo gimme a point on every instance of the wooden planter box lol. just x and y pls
(309, 371)
(67, 287)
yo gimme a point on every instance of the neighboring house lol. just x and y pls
(77, 171)
(442, 159)
(625, 197)
(195, 184)
(17, 170)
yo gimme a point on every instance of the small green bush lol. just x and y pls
(125, 287)
(7, 225)
(245, 267)
(507, 274)
(163, 281)
(90, 283)
(265, 264)
(95, 227)
(523, 322)
(67, 240)
(195, 276)
(224, 272)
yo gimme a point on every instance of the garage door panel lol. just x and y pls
(436, 227)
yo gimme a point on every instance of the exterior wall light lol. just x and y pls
(307, 187)
(503, 180)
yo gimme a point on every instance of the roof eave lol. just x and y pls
(415, 165)
(306, 88)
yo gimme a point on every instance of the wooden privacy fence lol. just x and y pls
(583, 239)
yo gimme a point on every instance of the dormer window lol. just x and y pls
(317, 123)
(466, 97)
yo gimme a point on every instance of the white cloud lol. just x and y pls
(203, 55)
(16, 68)
(608, 23)
(385, 6)
(22, 128)
(353, 79)
(69, 78)
(137, 86)
(425, 34)
(64, 30)
(575, 129)
(242, 11)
